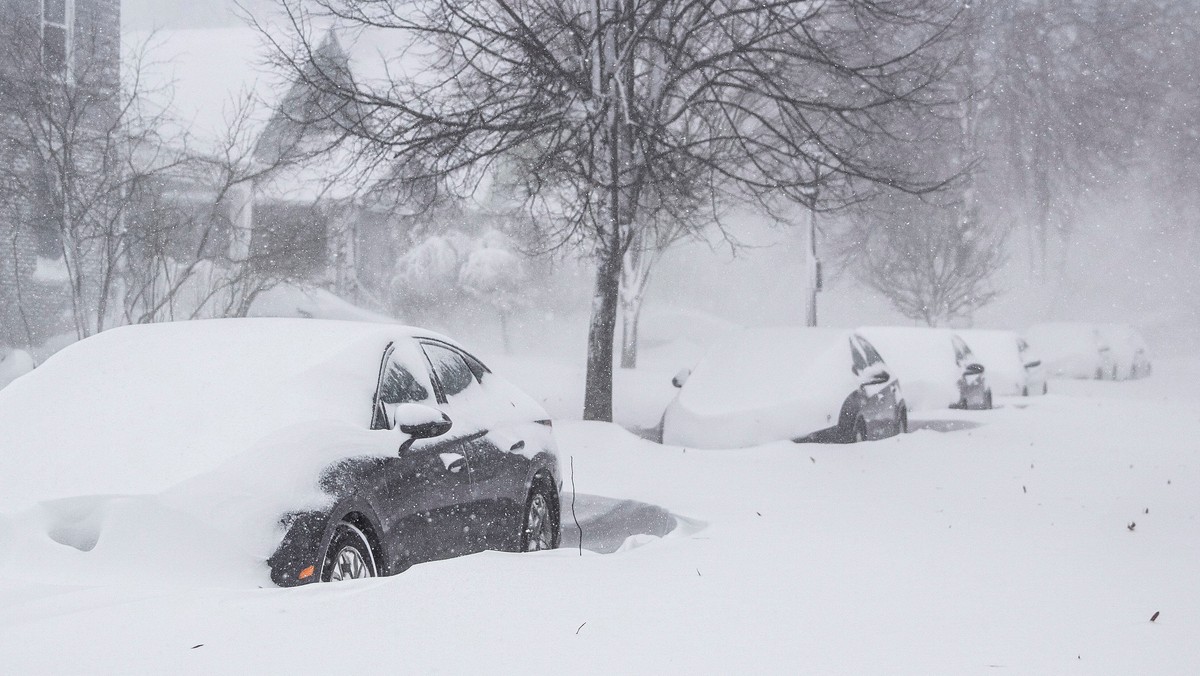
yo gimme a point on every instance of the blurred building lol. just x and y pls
(59, 82)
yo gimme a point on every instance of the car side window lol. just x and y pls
(476, 366)
(961, 351)
(860, 362)
(397, 385)
(450, 369)
(873, 356)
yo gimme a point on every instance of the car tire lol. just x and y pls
(1045, 388)
(349, 555)
(902, 421)
(1025, 391)
(540, 524)
(987, 400)
(858, 433)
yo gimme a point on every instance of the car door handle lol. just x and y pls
(454, 462)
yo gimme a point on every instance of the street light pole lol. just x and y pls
(812, 266)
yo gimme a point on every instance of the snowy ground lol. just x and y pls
(981, 542)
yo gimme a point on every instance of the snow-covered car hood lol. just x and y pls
(762, 385)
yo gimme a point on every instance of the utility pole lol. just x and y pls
(812, 266)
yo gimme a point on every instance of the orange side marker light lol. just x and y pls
(307, 572)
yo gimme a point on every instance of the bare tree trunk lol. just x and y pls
(631, 311)
(597, 401)
(507, 342)
(811, 270)
(635, 277)
(16, 259)
(598, 389)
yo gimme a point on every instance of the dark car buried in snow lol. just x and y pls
(329, 450)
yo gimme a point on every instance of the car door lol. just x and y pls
(423, 492)
(501, 449)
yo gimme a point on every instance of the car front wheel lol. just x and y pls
(539, 530)
(349, 555)
(859, 433)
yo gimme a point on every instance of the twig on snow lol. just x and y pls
(573, 516)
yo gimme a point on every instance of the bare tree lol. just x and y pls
(662, 227)
(595, 102)
(495, 275)
(933, 263)
(1061, 92)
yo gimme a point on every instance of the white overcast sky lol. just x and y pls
(141, 15)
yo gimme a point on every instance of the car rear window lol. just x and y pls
(450, 368)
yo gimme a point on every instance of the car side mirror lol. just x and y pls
(877, 378)
(681, 377)
(973, 370)
(875, 374)
(418, 421)
(1034, 364)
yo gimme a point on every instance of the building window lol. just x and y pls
(57, 20)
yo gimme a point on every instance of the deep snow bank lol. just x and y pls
(1036, 538)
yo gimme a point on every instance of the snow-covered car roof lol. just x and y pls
(1122, 337)
(1000, 353)
(138, 409)
(760, 385)
(924, 361)
(1064, 334)
(1075, 349)
(756, 367)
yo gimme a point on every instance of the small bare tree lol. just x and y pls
(190, 227)
(73, 134)
(934, 263)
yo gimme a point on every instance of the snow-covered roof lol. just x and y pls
(222, 89)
